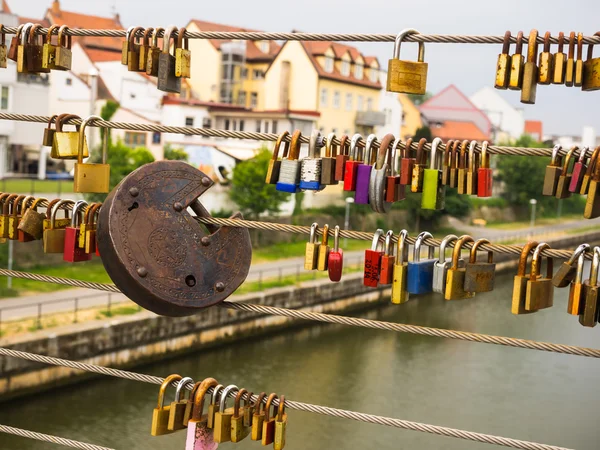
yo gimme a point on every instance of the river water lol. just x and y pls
(523, 394)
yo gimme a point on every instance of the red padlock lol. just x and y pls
(393, 190)
(72, 252)
(406, 164)
(341, 158)
(578, 171)
(351, 168)
(335, 261)
(386, 274)
(485, 177)
(373, 262)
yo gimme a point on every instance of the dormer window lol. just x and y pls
(345, 68)
(329, 64)
(264, 46)
(358, 71)
(374, 75)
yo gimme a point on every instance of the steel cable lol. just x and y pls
(318, 409)
(49, 438)
(343, 320)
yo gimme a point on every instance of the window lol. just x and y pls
(358, 71)
(369, 104)
(132, 95)
(264, 46)
(189, 121)
(360, 100)
(156, 137)
(227, 124)
(374, 75)
(274, 127)
(134, 139)
(266, 126)
(69, 81)
(254, 100)
(4, 98)
(324, 93)
(242, 98)
(329, 64)
(258, 122)
(241, 125)
(244, 74)
(206, 122)
(336, 99)
(257, 74)
(348, 102)
(345, 68)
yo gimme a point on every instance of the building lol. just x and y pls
(391, 107)
(534, 129)
(411, 117)
(508, 123)
(451, 115)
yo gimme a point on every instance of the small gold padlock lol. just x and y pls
(133, 50)
(125, 47)
(517, 61)
(503, 64)
(3, 50)
(54, 236)
(15, 218)
(578, 81)
(90, 232)
(160, 414)
(570, 67)
(280, 425)
(64, 54)
(268, 431)
(177, 407)
(153, 54)
(145, 49)
(222, 425)
(520, 281)
(530, 70)
(258, 418)
(409, 77)
(560, 61)
(91, 177)
(546, 63)
(7, 201)
(323, 253)
(49, 51)
(32, 222)
(239, 431)
(183, 56)
(66, 143)
(213, 406)
(312, 249)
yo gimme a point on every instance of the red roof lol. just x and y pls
(458, 130)
(42, 22)
(98, 55)
(534, 128)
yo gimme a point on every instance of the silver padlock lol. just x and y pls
(440, 268)
(379, 174)
(310, 167)
(289, 171)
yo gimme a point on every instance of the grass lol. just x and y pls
(543, 221)
(35, 186)
(582, 230)
(285, 250)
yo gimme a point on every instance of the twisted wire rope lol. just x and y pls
(49, 438)
(318, 409)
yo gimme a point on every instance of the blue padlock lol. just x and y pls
(289, 171)
(419, 277)
(311, 166)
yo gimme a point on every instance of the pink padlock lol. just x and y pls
(578, 171)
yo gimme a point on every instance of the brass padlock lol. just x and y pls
(3, 49)
(197, 429)
(592, 204)
(125, 47)
(15, 42)
(249, 411)
(7, 205)
(213, 406)
(560, 61)
(34, 49)
(419, 166)
(566, 272)
(83, 221)
(578, 81)
(328, 162)
(480, 276)
(15, 217)
(66, 143)
(268, 431)
(455, 278)
(183, 56)
(587, 176)
(177, 407)
(312, 249)
(530, 70)
(64, 54)
(591, 308)
(49, 51)
(454, 157)
(472, 170)
(517, 61)
(409, 77)
(189, 407)
(167, 80)
(462, 168)
(520, 282)
(323, 252)
(222, 424)
(591, 70)
(145, 49)
(553, 172)
(32, 222)
(280, 425)
(239, 431)
(275, 162)
(22, 40)
(540, 292)
(503, 65)
(258, 418)
(133, 50)
(90, 232)
(546, 63)
(154, 53)
(399, 282)
(48, 139)
(570, 67)
(575, 305)
(160, 414)
(564, 180)
(54, 236)
(446, 162)
(91, 177)
(59, 223)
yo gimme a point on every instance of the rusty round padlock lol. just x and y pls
(157, 253)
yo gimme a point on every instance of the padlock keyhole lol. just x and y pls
(190, 280)
(132, 207)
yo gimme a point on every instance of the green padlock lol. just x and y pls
(434, 192)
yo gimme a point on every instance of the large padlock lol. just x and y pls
(399, 283)
(354, 160)
(160, 414)
(434, 191)
(480, 276)
(485, 176)
(416, 183)
(540, 291)
(133, 50)
(517, 61)
(530, 70)
(183, 56)
(328, 161)
(275, 162)
(373, 261)
(585, 182)
(378, 182)
(386, 272)
(420, 272)
(591, 308)
(579, 171)
(503, 64)
(91, 177)
(154, 53)
(592, 204)
(546, 62)
(566, 272)
(553, 172)
(71, 250)
(455, 278)
(342, 158)
(157, 253)
(167, 80)
(66, 143)
(54, 236)
(289, 171)
(591, 70)
(560, 60)
(570, 66)
(310, 167)
(407, 163)
(472, 170)
(564, 180)
(409, 77)
(63, 54)
(363, 172)
(335, 262)
(520, 281)
(576, 301)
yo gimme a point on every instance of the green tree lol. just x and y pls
(419, 99)
(249, 190)
(107, 112)
(175, 154)
(423, 132)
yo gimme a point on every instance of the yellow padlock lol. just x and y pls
(91, 177)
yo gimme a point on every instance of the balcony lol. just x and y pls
(370, 118)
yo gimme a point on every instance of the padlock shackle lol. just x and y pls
(84, 125)
(64, 40)
(329, 145)
(475, 248)
(396, 157)
(51, 121)
(32, 32)
(147, 36)
(224, 395)
(402, 249)
(417, 248)
(561, 42)
(388, 242)
(88, 211)
(536, 262)
(555, 161)
(325, 236)
(163, 388)
(280, 139)
(384, 154)
(592, 162)
(48, 207)
(506, 43)
(181, 40)
(6, 206)
(281, 409)
(167, 38)
(25, 33)
(272, 397)
(421, 157)
(50, 32)
(547, 37)
(62, 118)
(18, 35)
(443, 245)
(527, 249)
(36, 202)
(376, 236)
(472, 156)
(354, 148)
(406, 151)
(519, 45)
(215, 394)
(128, 32)
(485, 157)
(572, 45)
(336, 238)
(314, 144)
(180, 385)
(595, 267)
(454, 155)
(565, 169)
(370, 155)
(199, 395)
(294, 151)
(590, 52)
(76, 214)
(583, 154)
(133, 36)
(457, 248)
(434, 155)
(344, 146)
(313, 233)
(237, 401)
(447, 153)
(532, 46)
(579, 46)
(259, 403)
(462, 160)
(398, 41)
(16, 207)
(155, 34)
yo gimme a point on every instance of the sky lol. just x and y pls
(563, 110)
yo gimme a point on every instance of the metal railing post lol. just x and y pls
(109, 305)
(39, 317)
(76, 310)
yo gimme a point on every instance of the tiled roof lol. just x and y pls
(253, 53)
(336, 75)
(99, 55)
(458, 130)
(42, 22)
(533, 127)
